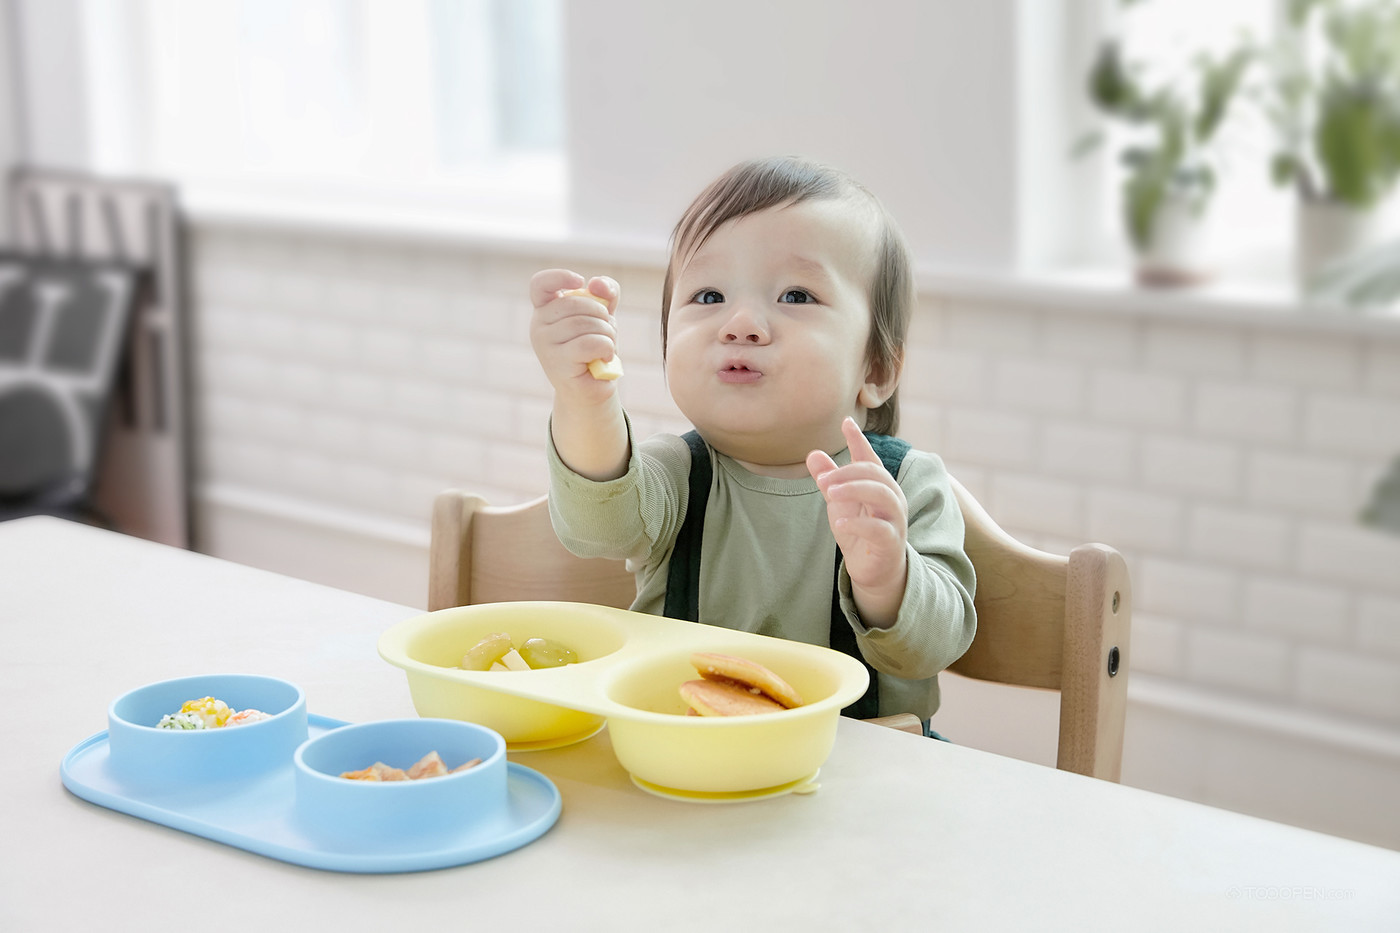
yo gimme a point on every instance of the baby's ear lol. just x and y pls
(881, 380)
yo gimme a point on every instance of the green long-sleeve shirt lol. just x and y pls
(768, 554)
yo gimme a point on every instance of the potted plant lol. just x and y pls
(1335, 103)
(1171, 159)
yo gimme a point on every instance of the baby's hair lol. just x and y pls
(760, 184)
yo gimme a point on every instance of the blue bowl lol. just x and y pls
(401, 810)
(141, 752)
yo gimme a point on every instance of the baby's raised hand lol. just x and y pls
(869, 518)
(573, 327)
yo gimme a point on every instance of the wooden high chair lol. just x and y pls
(1043, 620)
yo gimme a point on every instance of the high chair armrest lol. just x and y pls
(904, 722)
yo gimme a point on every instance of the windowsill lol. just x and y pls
(531, 228)
(1226, 301)
(543, 229)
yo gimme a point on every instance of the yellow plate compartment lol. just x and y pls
(630, 670)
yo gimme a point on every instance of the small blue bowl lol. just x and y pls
(141, 752)
(401, 810)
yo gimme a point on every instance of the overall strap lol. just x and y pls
(890, 450)
(683, 574)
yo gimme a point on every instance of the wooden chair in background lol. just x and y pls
(1043, 620)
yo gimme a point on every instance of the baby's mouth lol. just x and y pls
(736, 372)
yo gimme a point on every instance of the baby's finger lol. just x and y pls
(546, 285)
(590, 293)
(875, 498)
(604, 288)
(571, 304)
(861, 451)
(819, 463)
(569, 328)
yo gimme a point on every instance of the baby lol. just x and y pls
(791, 510)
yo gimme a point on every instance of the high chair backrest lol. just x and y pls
(1062, 623)
(1043, 620)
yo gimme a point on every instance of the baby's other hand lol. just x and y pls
(869, 518)
(569, 331)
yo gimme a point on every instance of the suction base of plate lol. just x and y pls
(804, 785)
(546, 744)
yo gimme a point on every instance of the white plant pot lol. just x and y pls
(1327, 232)
(1178, 245)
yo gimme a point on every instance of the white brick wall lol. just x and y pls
(1348, 682)
(1378, 627)
(1195, 349)
(1240, 411)
(1227, 461)
(1239, 661)
(1133, 399)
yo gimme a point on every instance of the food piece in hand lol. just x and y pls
(606, 370)
(750, 675)
(488, 651)
(716, 698)
(545, 652)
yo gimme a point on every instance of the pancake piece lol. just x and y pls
(718, 698)
(723, 668)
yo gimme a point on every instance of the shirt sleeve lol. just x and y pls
(936, 620)
(633, 517)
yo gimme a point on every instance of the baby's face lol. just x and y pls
(767, 333)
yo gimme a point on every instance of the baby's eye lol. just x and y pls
(707, 296)
(797, 296)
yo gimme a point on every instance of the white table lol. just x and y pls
(905, 833)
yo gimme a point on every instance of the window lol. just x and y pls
(432, 104)
(1251, 218)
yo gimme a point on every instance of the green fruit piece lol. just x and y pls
(486, 652)
(542, 652)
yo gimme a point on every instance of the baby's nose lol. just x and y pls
(744, 327)
(750, 335)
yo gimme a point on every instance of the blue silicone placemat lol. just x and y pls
(258, 815)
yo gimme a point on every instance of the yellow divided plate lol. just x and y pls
(630, 668)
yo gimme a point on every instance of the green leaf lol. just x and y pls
(1353, 145)
(1142, 197)
(1218, 87)
(1110, 85)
